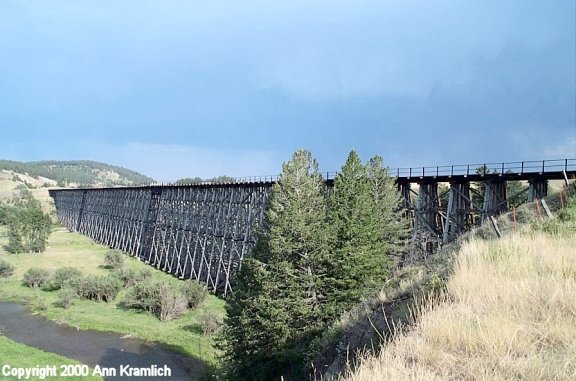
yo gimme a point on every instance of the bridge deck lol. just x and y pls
(521, 170)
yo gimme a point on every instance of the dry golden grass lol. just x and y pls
(509, 312)
(9, 188)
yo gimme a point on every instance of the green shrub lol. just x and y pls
(81, 286)
(63, 276)
(99, 288)
(144, 275)
(109, 287)
(6, 269)
(113, 259)
(126, 275)
(210, 323)
(130, 277)
(143, 296)
(172, 302)
(38, 304)
(194, 293)
(564, 223)
(36, 277)
(162, 299)
(66, 297)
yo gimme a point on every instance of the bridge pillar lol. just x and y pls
(427, 208)
(404, 189)
(81, 211)
(495, 199)
(459, 211)
(537, 189)
(149, 229)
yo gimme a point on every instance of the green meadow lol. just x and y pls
(184, 334)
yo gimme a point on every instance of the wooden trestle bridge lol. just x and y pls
(203, 231)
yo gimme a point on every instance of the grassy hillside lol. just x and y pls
(508, 311)
(71, 173)
(37, 177)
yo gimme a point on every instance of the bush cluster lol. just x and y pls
(172, 303)
(6, 269)
(160, 298)
(98, 288)
(66, 297)
(130, 277)
(62, 277)
(36, 277)
(210, 323)
(72, 285)
(194, 293)
(163, 299)
(113, 259)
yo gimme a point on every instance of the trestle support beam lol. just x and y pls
(192, 232)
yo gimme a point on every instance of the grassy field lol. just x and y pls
(508, 312)
(71, 249)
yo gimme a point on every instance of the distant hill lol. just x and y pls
(71, 174)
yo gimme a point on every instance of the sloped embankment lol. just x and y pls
(426, 285)
(508, 312)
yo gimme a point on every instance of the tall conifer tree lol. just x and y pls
(387, 205)
(367, 225)
(276, 307)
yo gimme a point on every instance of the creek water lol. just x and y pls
(104, 349)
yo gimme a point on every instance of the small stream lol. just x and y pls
(104, 349)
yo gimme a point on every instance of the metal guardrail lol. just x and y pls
(517, 167)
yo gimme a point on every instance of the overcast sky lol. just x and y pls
(204, 88)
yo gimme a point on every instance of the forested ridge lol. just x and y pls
(77, 172)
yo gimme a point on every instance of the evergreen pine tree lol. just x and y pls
(276, 307)
(387, 206)
(367, 225)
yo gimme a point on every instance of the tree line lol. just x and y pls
(319, 253)
(197, 180)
